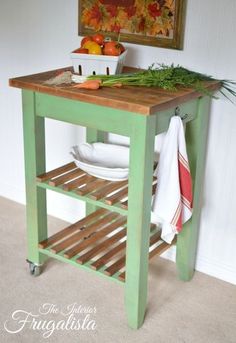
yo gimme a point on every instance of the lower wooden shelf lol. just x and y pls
(98, 242)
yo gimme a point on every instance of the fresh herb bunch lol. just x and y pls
(166, 77)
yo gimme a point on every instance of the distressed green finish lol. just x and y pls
(100, 203)
(139, 195)
(187, 110)
(59, 256)
(103, 118)
(196, 138)
(85, 114)
(93, 135)
(142, 130)
(34, 151)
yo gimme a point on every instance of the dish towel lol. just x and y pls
(172, 202)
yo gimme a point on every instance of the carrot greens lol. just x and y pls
(168, 78)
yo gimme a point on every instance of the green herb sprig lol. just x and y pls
(168, 78)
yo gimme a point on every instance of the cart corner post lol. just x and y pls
(34, 152)
(92, 136)
(139, 211)
(196, 141)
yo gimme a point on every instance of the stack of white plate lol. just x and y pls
(106, 161)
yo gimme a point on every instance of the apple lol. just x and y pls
(84, 40)
(81, 51)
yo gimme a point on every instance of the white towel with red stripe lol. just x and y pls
(172, 202)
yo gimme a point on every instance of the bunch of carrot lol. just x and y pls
(94, 84)
(163, 76)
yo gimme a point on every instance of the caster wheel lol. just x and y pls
(34, 269)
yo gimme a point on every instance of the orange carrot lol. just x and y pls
(89, 84)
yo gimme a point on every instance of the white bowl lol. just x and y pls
(106, 161)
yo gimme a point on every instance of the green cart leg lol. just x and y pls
(196, 138)
(34, 150)
(139, 202)
(93, 135)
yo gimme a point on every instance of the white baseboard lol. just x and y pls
(217, 269)
(12, 193)
(204, 264)
(61, 210)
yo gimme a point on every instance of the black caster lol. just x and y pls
(34, 269)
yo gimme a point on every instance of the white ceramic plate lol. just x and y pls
(106, 161)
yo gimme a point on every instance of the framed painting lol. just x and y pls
(148, 22)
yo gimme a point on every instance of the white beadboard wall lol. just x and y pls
(38, 35)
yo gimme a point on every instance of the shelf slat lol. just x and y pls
(155, 252)
(160, 249)
(115, 267)
(74, 184)
(83, 234)
(56, 172)
(117, 197)
(99, 247)
(66, 177)
(90, 186)
(102, 261)
(95, 237)
(109, 188)
(72, 228)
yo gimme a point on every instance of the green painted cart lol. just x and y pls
(94, 242)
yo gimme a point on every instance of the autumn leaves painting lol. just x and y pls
(149, 22)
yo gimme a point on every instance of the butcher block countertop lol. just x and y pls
(141, 100)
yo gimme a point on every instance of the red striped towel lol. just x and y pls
(172, 203)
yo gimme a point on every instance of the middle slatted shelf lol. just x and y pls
(98, 242)
(71, 180)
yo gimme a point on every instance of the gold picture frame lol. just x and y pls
(150, 22)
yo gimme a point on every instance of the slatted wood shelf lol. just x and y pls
(99, 241)
(71, 180)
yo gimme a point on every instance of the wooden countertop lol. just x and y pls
(142, 100)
